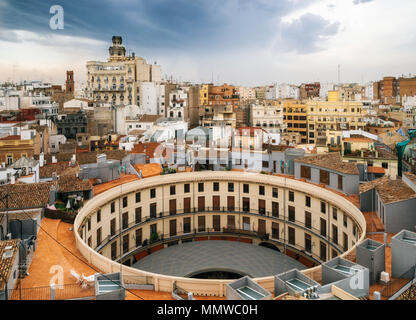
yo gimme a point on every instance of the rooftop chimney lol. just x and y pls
(101, 158)
(12, 179)
(41, 160)
(54, 159)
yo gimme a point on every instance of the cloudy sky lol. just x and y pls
(243, 42)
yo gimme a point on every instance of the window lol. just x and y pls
(125, 243)
(89, 224)
(246, 188)
(153, 229)
(385, 165)
(323, 207)
(305, 172)
(308, 243)
(335, 213)
(261, 190)
(345, 242)
(308, 201)
(152, 193)
(138, 215)
(124, 202)
(265, 164)
(323, 227)
(275, 209)
(186, 225)
(323, 251)
(113, 227)
(291, 196)
(139, 237)
(340, 185)
(275, 193)
(262, 206)
(114, 250)
(172, 190)
(230, 187)
(216, 186)
(99, 232)
(324, 177)
(186, 188)
(345, 221)
(201, 223)
(292, 214)
(308, 220)
(200, 187)
(335, 234)
(275, 230)
(292, 239)
(98, 216)
(153, 210)
(113, 207)
(138, 197)
(125, 220)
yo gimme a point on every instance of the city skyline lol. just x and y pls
(235, 42)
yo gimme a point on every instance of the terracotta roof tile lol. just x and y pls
(389, 190)
(6, 264)
(61, 169)
(410, 176)
(332, 161)
(24, 196)
(149, 170)
(72, 184)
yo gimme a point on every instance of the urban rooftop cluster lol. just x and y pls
(64, 147)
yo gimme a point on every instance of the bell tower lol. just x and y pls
(117, 51)
(69, 88)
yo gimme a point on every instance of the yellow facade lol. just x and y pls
(203, 95)
(333, 115)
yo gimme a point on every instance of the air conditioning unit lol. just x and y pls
(9, 236)
(385, 277)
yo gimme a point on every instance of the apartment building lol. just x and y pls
(246, 93)
(295, 117)
(333, 115)
(117, 80)
(223, 95)
(268, 117)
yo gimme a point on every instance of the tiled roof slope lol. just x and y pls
(332, 161)
(24, 196)
(6, 264)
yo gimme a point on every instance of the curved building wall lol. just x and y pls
(311, 221)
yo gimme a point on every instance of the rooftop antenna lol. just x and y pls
(339, 74)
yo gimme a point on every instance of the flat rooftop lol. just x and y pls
(216, 255)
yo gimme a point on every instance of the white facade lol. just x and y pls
(78, 103)
(325, 88)
(178, 100)
(408, 102)
(246, 93)
(55, 141)
(165, 130)
(270, 118)
(369, 91)
(287, 91)
(40, 101)
(9, 100)
(151, 98)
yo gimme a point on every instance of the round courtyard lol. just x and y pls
(193, 258)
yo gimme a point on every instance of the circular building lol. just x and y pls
(194, 230)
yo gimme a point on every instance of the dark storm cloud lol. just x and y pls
(184, 24)
(306, 34)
